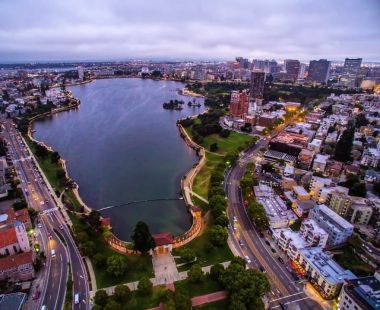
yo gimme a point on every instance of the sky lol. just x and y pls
(47, 30)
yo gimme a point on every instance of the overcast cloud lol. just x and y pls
(177, 29)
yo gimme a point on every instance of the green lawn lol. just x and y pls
(200, 288)
(202, 179)
(50, 170)
(205, 252)
(349, 260)
(217, 305)
(138, 302)
(231, 144)
(200, 203)
(139, 265)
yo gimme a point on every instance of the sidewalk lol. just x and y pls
(205, 299)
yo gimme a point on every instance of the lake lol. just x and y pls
(122, 146)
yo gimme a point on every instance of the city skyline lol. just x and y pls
(301, 30)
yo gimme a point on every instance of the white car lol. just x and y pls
(52, 253)
(247, 259)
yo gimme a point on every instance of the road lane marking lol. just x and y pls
(59, 285)
(285, 297)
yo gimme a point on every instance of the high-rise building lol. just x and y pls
(292, 68)
(301, 74)
(239, 103)
(351, 70)
(257, 84)
(244, 62)
(319, 71)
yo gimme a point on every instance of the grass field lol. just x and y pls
(200, 203)
(137, 302)
(138, 265)
(200, 288)
(202, 179)
(231, 144)
(207, 254)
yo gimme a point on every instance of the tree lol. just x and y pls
(224, 133)
(88, 248)
(358, 189)
(218, 235)
(101, 298)
(222, 220)
(182, 300)
(143, 240)
(93, 220)
(116, 265)
(214, 147)
(112, 305)
(215, 271)
(122, 293)
(376, 188)
(344, 145)
(217, 200)
(18, 205)
(195, 273)
(257, 214)
(99, 260)
(244, 286)
(55, 157)
(187, 255)
(145, 286)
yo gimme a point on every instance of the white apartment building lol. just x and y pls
(320, 162)
(326, 275)
(316, 186)
(336, 226)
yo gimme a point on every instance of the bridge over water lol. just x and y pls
(139, 201)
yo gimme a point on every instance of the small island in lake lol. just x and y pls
(173, 105)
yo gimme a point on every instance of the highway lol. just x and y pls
(284, 289)
(58, 244)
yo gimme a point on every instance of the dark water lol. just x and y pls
(122, 146)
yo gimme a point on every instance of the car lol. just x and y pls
(52, 253)
(280, 260)
(241, 243)
(262, 269)
(261, 234)
(235, 219)
(49, 236)
(247, 259)
(39, 225)
(36, 295)
(267, 242)
(77, 298)
(61, 226)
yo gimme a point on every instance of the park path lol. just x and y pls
(199, 196)
(205, 299)
(157, 281)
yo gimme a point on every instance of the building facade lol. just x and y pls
(257, 84)
(351, 70)
(239, 103)
(337, 227)
(319, 71)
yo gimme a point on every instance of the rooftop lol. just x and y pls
(8, 237)
(326, 266)
(16, 260)
(323, 210)
(12, 301)
(163, 239)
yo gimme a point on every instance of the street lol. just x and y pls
(284, 289)
(58, 244)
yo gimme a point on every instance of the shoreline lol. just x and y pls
(114, 241)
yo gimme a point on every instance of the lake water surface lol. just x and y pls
(122, 146)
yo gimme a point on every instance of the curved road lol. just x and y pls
(53, 230)
(248, 241)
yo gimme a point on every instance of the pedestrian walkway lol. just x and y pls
(198, 196)
(205, 299)
(165, 268)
